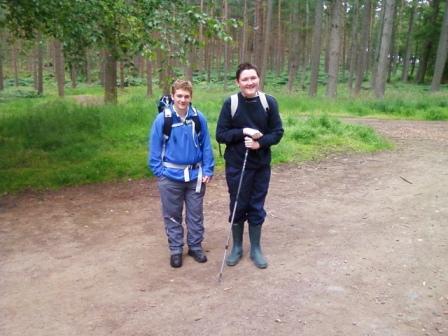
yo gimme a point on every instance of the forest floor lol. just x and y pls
(356, 244)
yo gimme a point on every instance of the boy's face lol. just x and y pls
(182, 100)
(249, 83)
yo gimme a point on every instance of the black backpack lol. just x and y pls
(164, 106)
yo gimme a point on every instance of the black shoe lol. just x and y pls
(198, 255)
(176, 260)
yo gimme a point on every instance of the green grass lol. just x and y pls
(46, 142)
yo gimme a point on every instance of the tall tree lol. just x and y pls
(442, 51)
(315, 51)
(335, 46)
(407, 57)
(59, 66)
(353, 43)
(40, 64)
(428, 43)
(266, 45)
(2, 83)
(294, 51)
(363, 50)
(386, 37)
(225, 12)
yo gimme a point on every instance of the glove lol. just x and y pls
(253, 133)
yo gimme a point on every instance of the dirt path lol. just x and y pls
(357, 245)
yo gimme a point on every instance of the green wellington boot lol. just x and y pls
(237, 248)
(255, 250)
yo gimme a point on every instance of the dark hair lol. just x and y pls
(245, 66)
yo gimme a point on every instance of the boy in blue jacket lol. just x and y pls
(183, 163)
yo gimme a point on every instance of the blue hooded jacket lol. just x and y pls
(184, 147)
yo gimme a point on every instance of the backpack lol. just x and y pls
(164, 106)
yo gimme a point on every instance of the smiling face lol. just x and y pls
(248, 82)
(182, 99)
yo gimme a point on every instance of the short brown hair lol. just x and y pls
(181, 84)
(245, 66)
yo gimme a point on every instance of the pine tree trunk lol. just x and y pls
(363, 51)
(88, 68)
(293, 54)
(244, 29)
(149, 91)
(266, 45)
(315, 51)
(427, 47)
(74, 75)
(386, 38)
(225, 12)
(258, 33)
(353, 55)
(15, 65)
(442, 51)
(392, 53)
(278, 47)
(407, 57)
(376, 48)
(121, 67)
(110, 78)
(59, 67)
(40, 65)
(335, 40)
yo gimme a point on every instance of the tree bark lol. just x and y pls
(335, 44)
(59, 67)
(315, 51)
(363, 52)
(40, 65)
(383, 61)
(243, 45)
(149, 91)
(258, 33)
(294, 50)
(225, 11)
(442, 51)
(110, 78)
(266, 45)
(354, 42)
(74, 75)
(407, 57)
(427, 47)
(15, 66)
(122, 83)
(278, 45)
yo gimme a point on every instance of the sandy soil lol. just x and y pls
(356, 244)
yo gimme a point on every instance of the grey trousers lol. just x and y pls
(173, 195)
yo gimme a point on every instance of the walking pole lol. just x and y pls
(233, 214)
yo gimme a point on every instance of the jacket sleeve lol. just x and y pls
(208, 161)
(225, 132)
(275, 127)
(155, 146)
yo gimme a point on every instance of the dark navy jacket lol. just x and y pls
(250, 113)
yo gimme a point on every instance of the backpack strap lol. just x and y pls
(167, 122)
(197, 122)
(234, 102)
(263, 100)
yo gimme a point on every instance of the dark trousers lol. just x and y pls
(254, 189)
